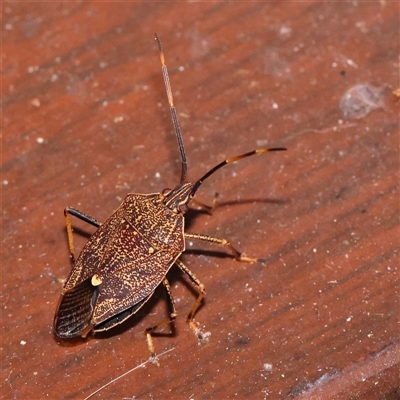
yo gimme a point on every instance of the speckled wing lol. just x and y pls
(142, 252)
(120, 266)
(132, 272)
(78, 297)
(90, 259)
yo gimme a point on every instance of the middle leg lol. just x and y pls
(222, 242)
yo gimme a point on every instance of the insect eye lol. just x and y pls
(165, 191)
(183, 208)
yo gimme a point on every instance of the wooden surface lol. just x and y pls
(86, 121)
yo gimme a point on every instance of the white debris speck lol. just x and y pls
(360, 100)
(157, 175)
(118, 119)
(267, 367)
(275, 106)
(40, 140)
(5, 182)
(351, 63)
(181, 68)
(22, 343)
(33, 68)
(35, 102)
(285, 30)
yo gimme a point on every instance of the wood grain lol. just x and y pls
(86, 121)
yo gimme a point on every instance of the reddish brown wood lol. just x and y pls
(86, 121)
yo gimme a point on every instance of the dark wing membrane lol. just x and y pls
(75, 310)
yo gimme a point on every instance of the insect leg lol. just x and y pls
(222, 242)
(210, 209)
(81, 216)
(172, 316)
(200, 288)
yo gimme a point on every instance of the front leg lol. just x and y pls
(81, 216)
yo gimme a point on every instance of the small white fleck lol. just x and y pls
(267, 367)
(181, 68)
(33, 68)
(35, 102)
(22, 342)
(349, 318)
(351, 63)
(118, 119)
(103, 64)
(5, 182)
(285, 30)
(314, 250)
(334, 64)
(275, 106)
(53, 77)
(157, 175)
(105, 103)
(40, 140)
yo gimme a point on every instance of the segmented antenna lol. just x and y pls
(173, 110)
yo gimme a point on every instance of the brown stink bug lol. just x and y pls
(129, 255)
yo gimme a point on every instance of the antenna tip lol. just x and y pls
(158, 41)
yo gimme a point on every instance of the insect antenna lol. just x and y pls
(173, 110)
(229, 161)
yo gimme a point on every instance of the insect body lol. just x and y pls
(129, 255)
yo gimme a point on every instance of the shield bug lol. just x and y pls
(130, 253)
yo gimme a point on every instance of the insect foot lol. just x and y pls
(202, 336)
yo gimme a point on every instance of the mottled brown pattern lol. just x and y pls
(129, 255)
(86, 121)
